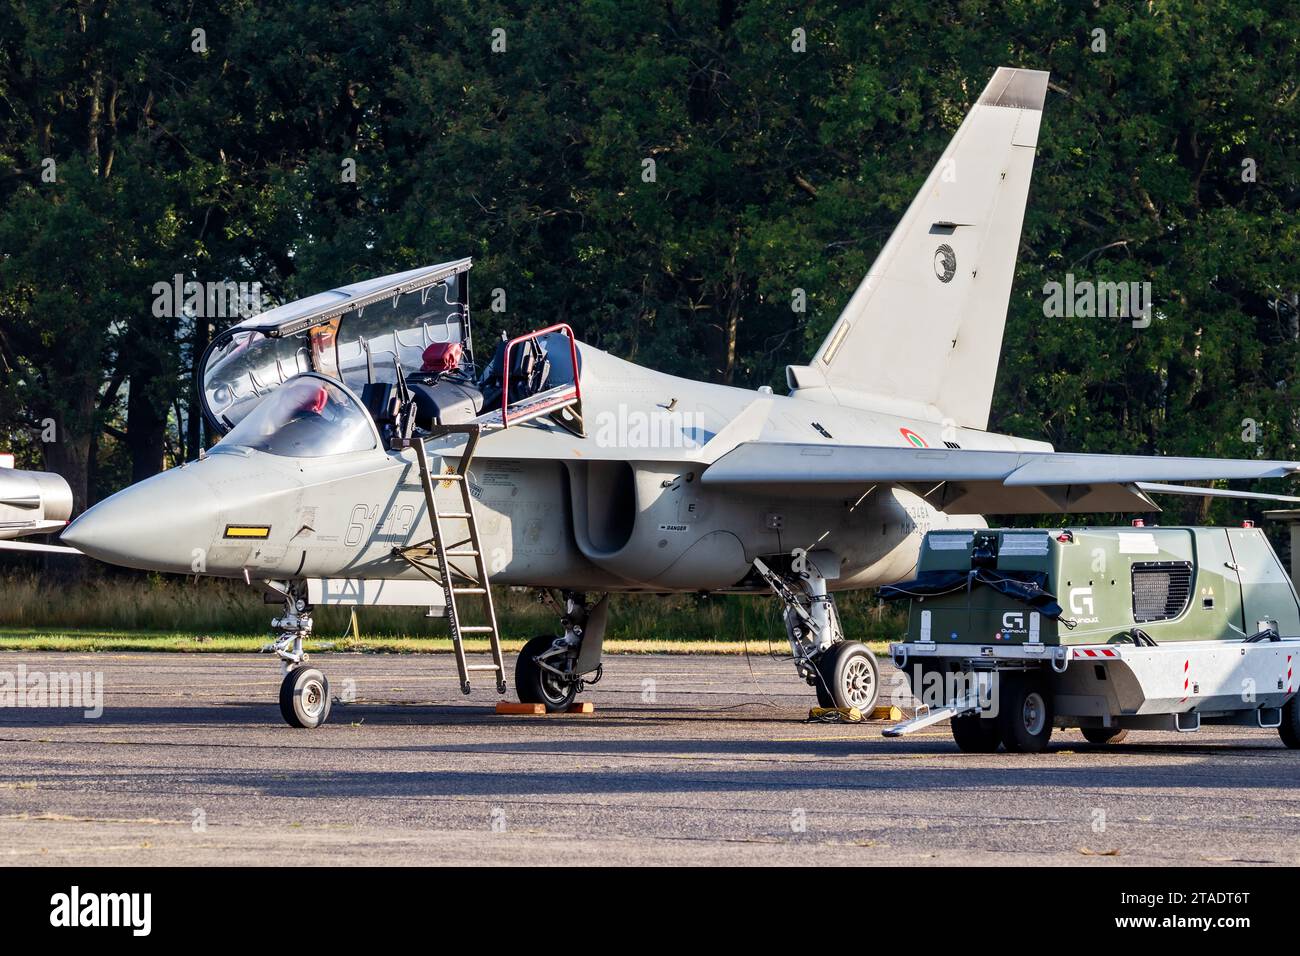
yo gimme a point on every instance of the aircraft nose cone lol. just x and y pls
(154, 525)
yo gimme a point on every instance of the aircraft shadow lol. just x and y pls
(1083, 783)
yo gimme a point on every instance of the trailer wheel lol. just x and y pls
(974, 734)
(1289, 730)
(849, 677)
(1025, 713)
(1103, 735)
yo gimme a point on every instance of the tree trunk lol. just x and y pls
(68, 454)
(146, 425)
(194, 420)
(732, 328)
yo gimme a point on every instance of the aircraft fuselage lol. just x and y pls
(621, 509)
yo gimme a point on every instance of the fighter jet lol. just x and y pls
(367, 458)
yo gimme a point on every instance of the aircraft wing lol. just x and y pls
(972, 481)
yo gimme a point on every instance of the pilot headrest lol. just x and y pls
(442, 357)
(316, 401)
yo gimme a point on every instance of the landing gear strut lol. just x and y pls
(844, 673)
(304, 692)
(551, 670)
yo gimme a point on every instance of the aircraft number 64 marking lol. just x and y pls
(398, 522)
(363, 517)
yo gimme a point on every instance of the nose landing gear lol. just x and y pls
(305, 692)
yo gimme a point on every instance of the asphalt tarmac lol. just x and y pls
(686, 760)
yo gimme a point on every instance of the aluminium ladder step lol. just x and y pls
(442, 553)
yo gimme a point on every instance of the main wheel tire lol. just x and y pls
(849, 676)
(535, 685)
(1289, 729)
(1025, 713)
(305, 697)
(974, 734)
(1103, 735)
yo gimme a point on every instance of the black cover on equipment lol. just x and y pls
(1025, 586)
(446, 401)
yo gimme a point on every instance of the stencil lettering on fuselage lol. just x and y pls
(269, 557)
(500, 479)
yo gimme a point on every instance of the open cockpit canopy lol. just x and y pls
(358, 333)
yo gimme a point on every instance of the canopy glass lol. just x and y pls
(308, 417)
(357, 333)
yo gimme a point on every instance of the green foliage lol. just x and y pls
(775, 170)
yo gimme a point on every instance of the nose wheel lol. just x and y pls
(305, 697)
(304, 691)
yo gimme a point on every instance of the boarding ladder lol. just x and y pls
(432, 557)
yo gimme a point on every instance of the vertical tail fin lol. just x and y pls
(922, 334)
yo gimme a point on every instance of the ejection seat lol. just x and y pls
(530, 370)
(444, 393)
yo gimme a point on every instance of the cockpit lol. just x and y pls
(406, 335)
(309, 416)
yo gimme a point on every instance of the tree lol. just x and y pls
(696, 187)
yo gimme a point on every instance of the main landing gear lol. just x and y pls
(305, 692)
(844, 673)
(551, 670)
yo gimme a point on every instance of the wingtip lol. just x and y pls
(1016, 88)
